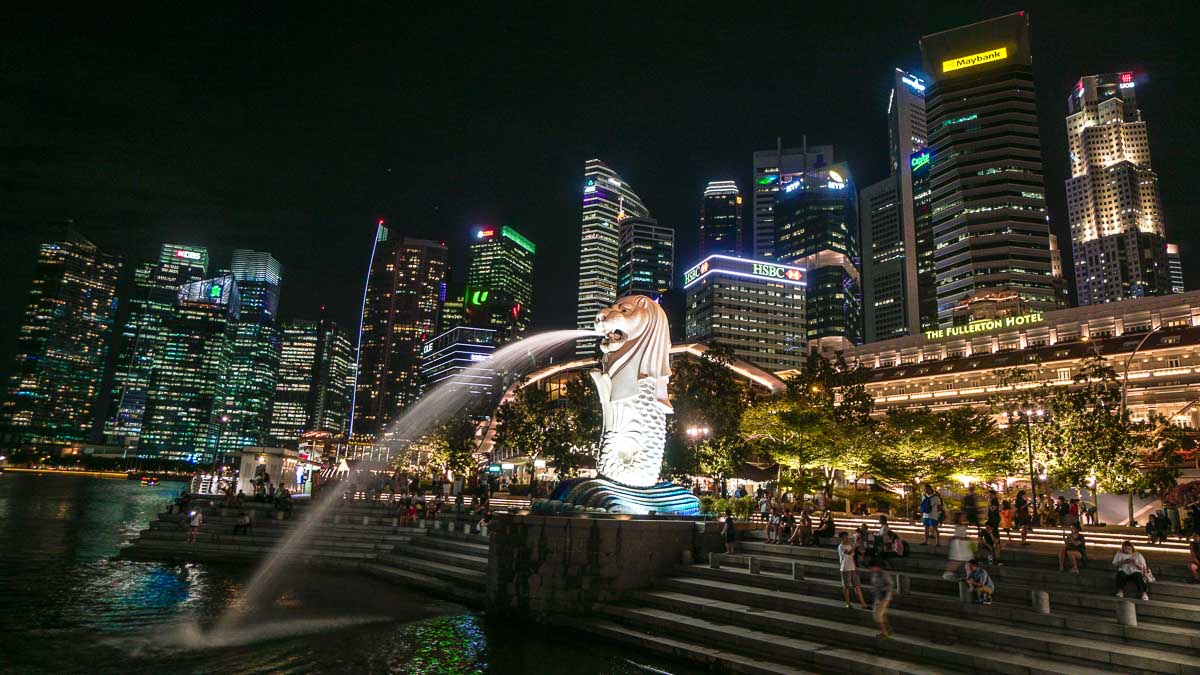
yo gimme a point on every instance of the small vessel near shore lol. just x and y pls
(150, 480)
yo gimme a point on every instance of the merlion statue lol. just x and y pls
(632, 384)
(635, 366)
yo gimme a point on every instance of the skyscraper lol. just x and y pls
(500, 282)
(816, 220)
(62, 344)
(311, 393)
(400, 312)
(990, 224)
(185, 412)
(647, 258)
(770, 166)
(1176, 266)
(453, 309)
(1117, 235)
(254, 352)
(452, 358)
(721, 219)
(152, 301)
(607, 200)
(894, 303)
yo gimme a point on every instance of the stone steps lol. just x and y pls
(716, 659)
(315, 543)
(691, 596)
(152, 550)
(778, 648)
(435, 585)
(1094, 626)
(431, 550)
(472, 578)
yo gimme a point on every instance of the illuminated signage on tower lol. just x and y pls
(997, 54)
(986, 325)
(740, 267)
(919, 160)
(187, 255)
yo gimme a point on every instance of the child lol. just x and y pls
(1006, 519)
(980, 583)
(881, 594)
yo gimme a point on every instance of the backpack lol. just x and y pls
(924, 508)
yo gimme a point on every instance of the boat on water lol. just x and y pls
(149, 480)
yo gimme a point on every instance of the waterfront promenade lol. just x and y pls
(775, 609)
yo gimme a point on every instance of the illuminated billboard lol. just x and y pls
(741, 267)
(217, 291)
(972, 60)
(985, 326)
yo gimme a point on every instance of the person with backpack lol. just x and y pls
(932, 514)
(1024, 516)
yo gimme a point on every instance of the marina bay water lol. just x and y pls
(67, 606)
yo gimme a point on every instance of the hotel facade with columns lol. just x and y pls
(1153, 343)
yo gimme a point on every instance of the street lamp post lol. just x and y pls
(697, 433)
(1027, 415)
(1125, 377)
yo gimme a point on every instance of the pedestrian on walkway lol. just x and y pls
(1131, 566)
(979, 582)
(931, 515)
(881, 595)
(1024, 513)
(960, 549)
(848, 570)
(970, 506)
(194, 521)
(729, 531)
(1194, 563)
(1006, 519)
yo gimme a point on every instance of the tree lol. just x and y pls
(451, 446)
(566, 429)
(705, 394)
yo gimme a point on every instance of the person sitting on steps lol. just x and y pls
(243, 524)
(1075, 550)
(1194, 563)
(1131, 566)
(979, 582)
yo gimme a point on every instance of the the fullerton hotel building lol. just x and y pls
(1154, 340)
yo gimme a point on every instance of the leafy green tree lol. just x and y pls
(564, 429)
(705, 394)
(451, 446)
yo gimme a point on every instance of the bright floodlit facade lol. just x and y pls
(754, 308)
(721, 219)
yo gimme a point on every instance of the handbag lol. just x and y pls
(1149, 576)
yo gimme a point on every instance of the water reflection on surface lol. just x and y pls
(66, 606)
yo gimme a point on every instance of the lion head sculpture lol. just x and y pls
(636, 335)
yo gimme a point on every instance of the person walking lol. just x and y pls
(729, 531)
(992, 520)
(960, 549)
(970, 506)
(1006, 519)
(1024, 516)
(849, 570)
(1131, 566)
(194, 521)
(931, 515)
(881, 596)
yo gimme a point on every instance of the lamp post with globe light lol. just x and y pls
(1029, 414)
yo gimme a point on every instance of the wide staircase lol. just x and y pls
(441, 557)
(779, 609)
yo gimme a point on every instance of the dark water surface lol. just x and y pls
(66, 607)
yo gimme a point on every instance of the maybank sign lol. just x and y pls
(985, 325)
(997, 54)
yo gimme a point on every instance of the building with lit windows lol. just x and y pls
(400, 311)
(185, 402)
(721, 219)
(62, 345)
(311, 393)
(990, 223)
(151, 302)
(770, 167)
(453, 309)
(897, 296)
(1118, 240)
(1175, 264)
(455, 357)
(499, 293)
(755, 308)
(1158, 337)
(254, 357)
(607, 200)
(816, 224)
(647, 258)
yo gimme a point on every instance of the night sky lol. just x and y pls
(294, 132)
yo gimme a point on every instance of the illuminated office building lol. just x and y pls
(755, 308)
(185, 403)
(607, 200)
(400, 311)
(991, 228)
(312, 392)
(454, 358)
(770, 167)
(721, 219)
(453, 309)
(1118, 240)
(816, 223)
(1175, 264)
(898, 295)
(254, 357)
(499, 292)
(62, 345)
(152, 300)
(647, 258)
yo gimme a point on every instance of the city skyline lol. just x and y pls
(118, 220)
